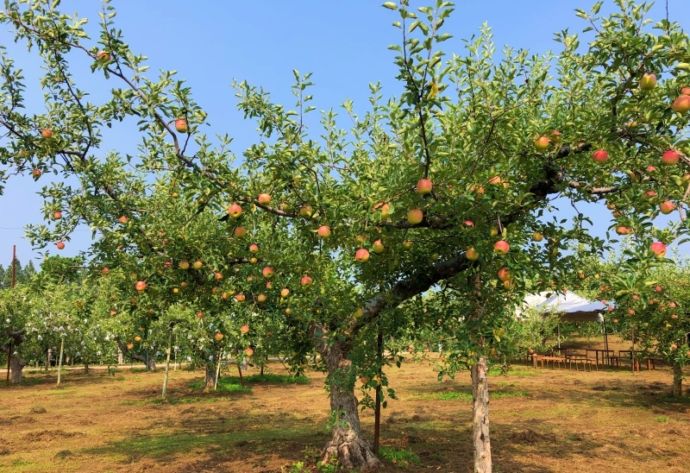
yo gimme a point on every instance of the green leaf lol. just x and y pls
(390, 5)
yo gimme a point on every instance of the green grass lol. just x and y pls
(517, 371)
(662, 419)
(467, 395)
(398, 456)
(225, 385)
(268, 378)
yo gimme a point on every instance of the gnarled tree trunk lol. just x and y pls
(210, 376)
(480, 417)
(677, 380)
(347, 443)
(148, 360)
(16, 367)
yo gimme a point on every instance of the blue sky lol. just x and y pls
(211, 43)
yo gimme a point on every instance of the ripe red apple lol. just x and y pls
(36, 172)
(217, 275)
(666, 207)
(324, 231)
(623, 230)
(47, 133)
(248, 352)
(424, 186)
(60, 245)
(378, 246)
(415, 216)
(630, 312)
(651, 168)
(477, 189)
(600, 155)
(362, 255)
(685, 91)
(253, 248)
(658, 248)
(648, 81)
(384, 208)
(199, 314)
(670, 156)
(240, 297)
(57, 215)
(235, 210)
(105, 270)
(306, 211)
(650, 193)
(504, 274)
(407, 244)
(542, 143)
(218, 336)
(284, 292)
(103, 56)
(198, 264)
(471, 253)
(501, 247)
(267, 272)
(306, 280)
(123, 219)
(181, 125)
(681, 104)
(184, 264)
(269, 285)
(468, 223)
(264, 199)
(140, 286)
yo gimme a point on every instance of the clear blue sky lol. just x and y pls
(212, 43)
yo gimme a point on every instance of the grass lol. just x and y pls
(399, 456)
(231, 384)
(517, 371)
(467, 395)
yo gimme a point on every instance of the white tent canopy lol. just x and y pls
(573, 308)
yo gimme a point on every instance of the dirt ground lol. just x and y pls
(546, 420)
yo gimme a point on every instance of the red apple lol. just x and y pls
(670, 156)
(253, 248)
(378, 246)
(217, 275)
(503, 274)
(555, 136)
(261, 298)
(496, 181)
(501, 246)
(264, 199)
(239, 232)
(199, 314)
(57, 215)
(666, 207)
(651, 168)
(648, 81)
(47, 133)
(681, 104)
(415, 216)
(685, 91)
(36, 172)
(623, 230)
(249, 351)
(306, 280)
(362, 255)
(140, 286)
(324, 231)
(60, 245)
(267, 272)
(218, 336)
(235, 210)
(123, 219)
(600, 155)
(468, 223)
(103, 56)
(240, 297)
(424, 186)
(650, 193)
(658, 248)
(181, 125)
(105, 270)
(542, 143)
(244, 329)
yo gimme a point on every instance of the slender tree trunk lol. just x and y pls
(62, 347)
(677, 380)
(150, 361)
(215, 381)
(16, 367)
(209, 376)
(239, 372)
(480, 417)
(164, 392)
(86, 368)
(261, 372)
(347, 444)
(48, 357)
